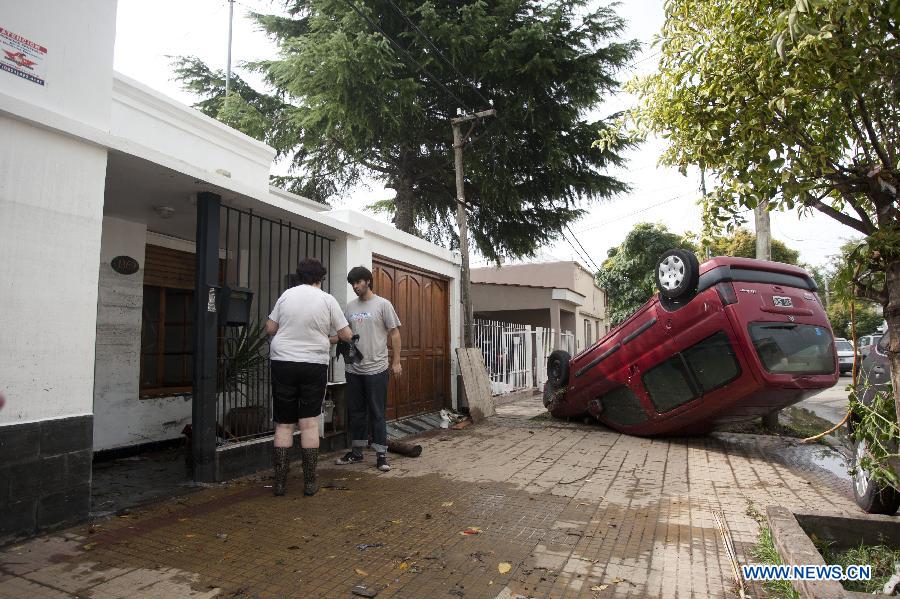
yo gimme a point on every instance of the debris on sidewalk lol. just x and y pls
(450, 418)
(363, 591)
(504, 567)
(472, 530)
(410, 450)
(364, 546)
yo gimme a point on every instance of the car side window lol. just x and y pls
(713, 362)
(668, 384)
(699, 369)
(622, 407)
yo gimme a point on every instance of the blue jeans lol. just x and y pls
(367, 399)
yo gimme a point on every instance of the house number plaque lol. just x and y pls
(211, 301)
(124, 265)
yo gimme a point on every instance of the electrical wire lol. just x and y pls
(439, 53)
(678, 197)
(575, 249)
(408, 55)
(586, 254)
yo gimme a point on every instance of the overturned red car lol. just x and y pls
(722, 342)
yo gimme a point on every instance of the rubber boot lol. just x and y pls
(282, 466)
(310, 461)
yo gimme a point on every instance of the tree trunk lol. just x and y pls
(892, 316)
(404, 217)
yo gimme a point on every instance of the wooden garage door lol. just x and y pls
(421, 301)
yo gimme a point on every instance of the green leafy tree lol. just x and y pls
(627, 274)
(792, 105)
(346, 106)
(742, 243)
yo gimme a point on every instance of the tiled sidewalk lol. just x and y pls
(574, 510)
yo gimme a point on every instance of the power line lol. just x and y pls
(586, 254)
(408, 55)
(575, 249)
(678, 197)
(438, 50)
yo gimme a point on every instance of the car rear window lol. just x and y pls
(622, 407)
(843, 346)
(786, 348)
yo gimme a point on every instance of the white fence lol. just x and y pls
(516, 355)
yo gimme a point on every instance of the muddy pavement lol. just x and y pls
(519, 506)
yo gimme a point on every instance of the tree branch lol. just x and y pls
(863, 215)
(873, 137)
(837, 215)
(859, 134)
(867, 292)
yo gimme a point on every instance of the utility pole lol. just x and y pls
(459, 142)
(764, 252)
(707, 228)
(763, 233)
(228, 62)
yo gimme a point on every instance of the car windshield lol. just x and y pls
(843, 346)
(787, 348)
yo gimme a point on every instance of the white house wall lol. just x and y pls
(151, 124)
(51, 198)
(79, 36)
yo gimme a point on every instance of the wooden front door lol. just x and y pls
(422, 303)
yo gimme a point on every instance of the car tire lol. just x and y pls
(558, 369)
(871, 497)
(677, 273)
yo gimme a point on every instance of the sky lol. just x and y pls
(149, 33)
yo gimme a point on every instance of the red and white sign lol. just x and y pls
(22, 57)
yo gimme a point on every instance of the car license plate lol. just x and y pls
(782, 302)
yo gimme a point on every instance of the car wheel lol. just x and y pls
(869, 495)
(677, 273)
(558, 368)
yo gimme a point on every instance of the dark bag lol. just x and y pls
(349, 351)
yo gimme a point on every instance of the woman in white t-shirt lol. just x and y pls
(303, 322)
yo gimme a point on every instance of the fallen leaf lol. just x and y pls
(190, 535)
(599, 587)
(617, 580)
(89, 546)
(403, 566)
(472, 530)
(348, 526)
(182, 519)
(396, 521)
(447, 504)
(360, 572)
(504, 567)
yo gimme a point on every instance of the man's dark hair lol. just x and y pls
(360, 273)
(310, 271)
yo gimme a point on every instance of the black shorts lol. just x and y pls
(298, 389)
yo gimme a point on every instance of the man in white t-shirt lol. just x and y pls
(304, 322)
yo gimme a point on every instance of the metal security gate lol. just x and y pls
(515, 355)
(257, 256)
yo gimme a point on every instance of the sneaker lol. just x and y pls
(381, 462)
(351, 457)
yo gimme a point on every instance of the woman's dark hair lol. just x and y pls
(360, 273)
(310, 271)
